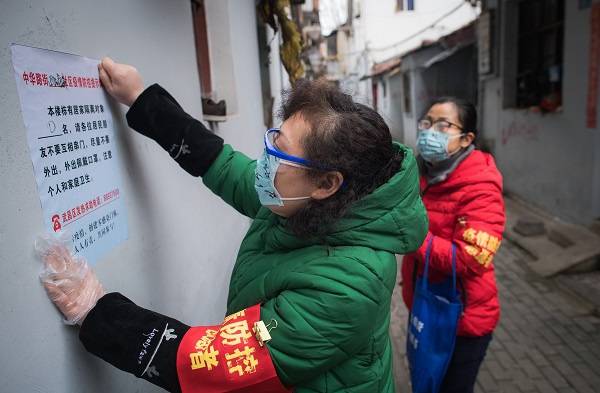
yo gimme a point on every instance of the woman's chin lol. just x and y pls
(288, 209)
(282, 211)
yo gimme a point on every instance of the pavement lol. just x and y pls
(548, 340)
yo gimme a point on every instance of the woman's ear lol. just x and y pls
(467, 139)
(328, 185)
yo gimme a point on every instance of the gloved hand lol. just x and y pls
(69, 281)
(122, 81)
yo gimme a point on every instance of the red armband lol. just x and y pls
(480, 244)
(227, 358)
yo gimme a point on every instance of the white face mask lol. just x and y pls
(264, 182)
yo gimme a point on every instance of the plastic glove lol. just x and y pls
(122, 81)
(69, 281)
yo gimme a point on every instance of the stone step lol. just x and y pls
(555, 246)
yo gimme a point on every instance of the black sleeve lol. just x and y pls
(135, 340)
(157, 115)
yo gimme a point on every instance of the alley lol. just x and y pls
(547, 341)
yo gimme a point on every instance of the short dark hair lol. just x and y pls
(343, 135)
(467, 114)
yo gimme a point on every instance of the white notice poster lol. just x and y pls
(73, 149)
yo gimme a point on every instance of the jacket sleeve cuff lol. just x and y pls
(157, 115)
(208, 359)
(133, 339)
(136, 115)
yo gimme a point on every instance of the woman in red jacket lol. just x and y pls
(462, 191)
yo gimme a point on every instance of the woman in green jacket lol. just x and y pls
(332, 199)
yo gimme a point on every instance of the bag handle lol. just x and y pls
(428, 258)
(453, 269)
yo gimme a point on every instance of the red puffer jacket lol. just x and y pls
(467, 209)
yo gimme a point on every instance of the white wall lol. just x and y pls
(382, 33)
(383, 27)
(182, 240)
(279, 79)
(380, 27)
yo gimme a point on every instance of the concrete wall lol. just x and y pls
(182, 240)
(382, 33)
(388, 32)
(392, 108)
(455, 75)
(551, 160)
(403, 123)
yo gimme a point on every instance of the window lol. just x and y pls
(375, 92)
(402, 5)
(540, 54)
(332, 49)
(406, 92)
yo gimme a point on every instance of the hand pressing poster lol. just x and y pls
(73, 149)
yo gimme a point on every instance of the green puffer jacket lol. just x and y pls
(331, 299)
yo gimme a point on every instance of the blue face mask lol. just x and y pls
(264, 182)
(433, 145)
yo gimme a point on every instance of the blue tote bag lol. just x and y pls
(432, 326)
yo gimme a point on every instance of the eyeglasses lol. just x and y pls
(440, 125)
(271, 148)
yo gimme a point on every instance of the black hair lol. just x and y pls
(345, 136)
